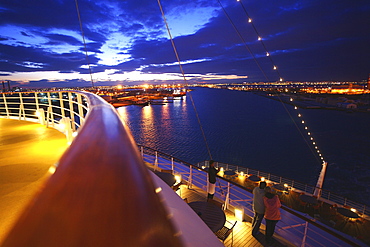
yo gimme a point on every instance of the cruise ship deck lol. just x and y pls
(30, 149)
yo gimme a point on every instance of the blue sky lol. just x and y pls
(307, 40)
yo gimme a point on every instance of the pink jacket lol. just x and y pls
(272, 205)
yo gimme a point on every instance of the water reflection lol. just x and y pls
(148, 127)
(122, 112)
(253, 131)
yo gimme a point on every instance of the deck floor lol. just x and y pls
(27, 151)
(242, 232)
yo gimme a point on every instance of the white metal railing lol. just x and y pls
(294, 226)
(325, 194)
(62, 110)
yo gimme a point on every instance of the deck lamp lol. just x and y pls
(239, 213)
(178, 178)
(40, 113)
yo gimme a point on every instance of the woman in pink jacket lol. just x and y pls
(272, 213)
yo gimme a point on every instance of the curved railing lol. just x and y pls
(101, 194)
(297, 185)
(62, 110)
(297, 228)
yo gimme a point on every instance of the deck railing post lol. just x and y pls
(304, 235)
(37, 102)
(71, 110)
(49, 117)
(21, 108)
(61, 104)
(226, 205)
(172, 165)
(142, 151)
(41, 115)
(66, 121)
(80, 110)
(6, 106)
(190, 177)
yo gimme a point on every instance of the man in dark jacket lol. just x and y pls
(212, 171)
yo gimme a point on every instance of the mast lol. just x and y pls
(320, 181)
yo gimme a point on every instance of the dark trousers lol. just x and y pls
(270, 229)
(256, 223)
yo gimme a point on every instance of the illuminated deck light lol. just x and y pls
(157, 190)
(178, 178)
(52, 169)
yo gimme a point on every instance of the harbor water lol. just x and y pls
(245, 129)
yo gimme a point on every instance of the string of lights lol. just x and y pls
(308, 133)
(244, 42)
(259, 38)
(315, 150)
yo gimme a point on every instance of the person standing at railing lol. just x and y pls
(258, 207)
(272, 213)
(212, 172)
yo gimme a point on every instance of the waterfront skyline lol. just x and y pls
(41, 43)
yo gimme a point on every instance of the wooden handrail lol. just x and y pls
(100, 195)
